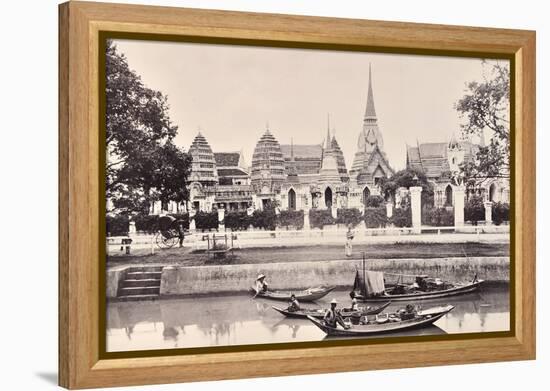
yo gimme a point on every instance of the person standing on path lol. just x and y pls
(349, 237)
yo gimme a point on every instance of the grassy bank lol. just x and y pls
(184, 257)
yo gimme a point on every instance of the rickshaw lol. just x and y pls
(167, 235)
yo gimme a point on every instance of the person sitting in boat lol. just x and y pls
(293, 305)
(261, 284)
(354, 305)
(332, 317)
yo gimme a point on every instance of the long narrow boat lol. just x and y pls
(320, 313)
(457, 289)
(371, 286)
(307, 295)
(420, 320)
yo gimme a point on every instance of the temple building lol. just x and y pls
(295, 177)
(441, 162)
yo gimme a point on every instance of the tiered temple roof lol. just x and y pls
(203, 165)
(268, 165)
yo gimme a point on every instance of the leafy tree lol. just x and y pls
(406, 178)
(474, 210)
(143, 163)
(374, 201)
(486, 107)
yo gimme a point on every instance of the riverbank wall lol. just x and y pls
(223, 279)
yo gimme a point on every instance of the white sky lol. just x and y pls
(231, 92)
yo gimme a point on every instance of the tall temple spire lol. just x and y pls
(328, 140)
(370, 111)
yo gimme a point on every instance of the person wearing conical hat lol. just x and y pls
(261, 284)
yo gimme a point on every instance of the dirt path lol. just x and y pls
(185, 257)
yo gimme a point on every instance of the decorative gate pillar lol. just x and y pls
(334, 211)
(389, 209)
(416, 207)
(458, 198)
(132, 228)
(488, 212)
(221, 219)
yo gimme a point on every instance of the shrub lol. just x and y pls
(375, 217)
(374, 201)
(402, 217)
(237, 221)
(117, 225)
(293, 218)
(500, 212)
(149, 223)
(318, 218)
(146, 223)
(349, 216)
(206, 220)
(439, 217)
(474, 210)
(266, 219)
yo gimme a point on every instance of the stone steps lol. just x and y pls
(140, 283)
(143, 282)
(137, 297)
(143, 275)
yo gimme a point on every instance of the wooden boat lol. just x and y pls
(371, 286)
(392, 324)
(457, 289)
(320, 313)
(307, 295)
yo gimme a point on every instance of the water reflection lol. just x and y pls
(239, 319)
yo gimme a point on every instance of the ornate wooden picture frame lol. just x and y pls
(83, 28)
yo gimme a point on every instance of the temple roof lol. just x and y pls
(303, 151)
(225, 172)
(432, 158)
(227, 159)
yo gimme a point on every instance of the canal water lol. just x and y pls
(242, 320)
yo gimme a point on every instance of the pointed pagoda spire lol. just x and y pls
(327, 140)
(370, 111)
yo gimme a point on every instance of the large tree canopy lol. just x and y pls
(143, 164)
(486, 108)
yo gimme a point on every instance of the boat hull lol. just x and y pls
(458, 290)
(302, 296)
(319, 314)
(384, 328)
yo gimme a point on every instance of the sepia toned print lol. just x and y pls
(264, 195)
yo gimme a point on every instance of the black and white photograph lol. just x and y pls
(267, 195)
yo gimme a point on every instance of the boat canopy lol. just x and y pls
(371, 284)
